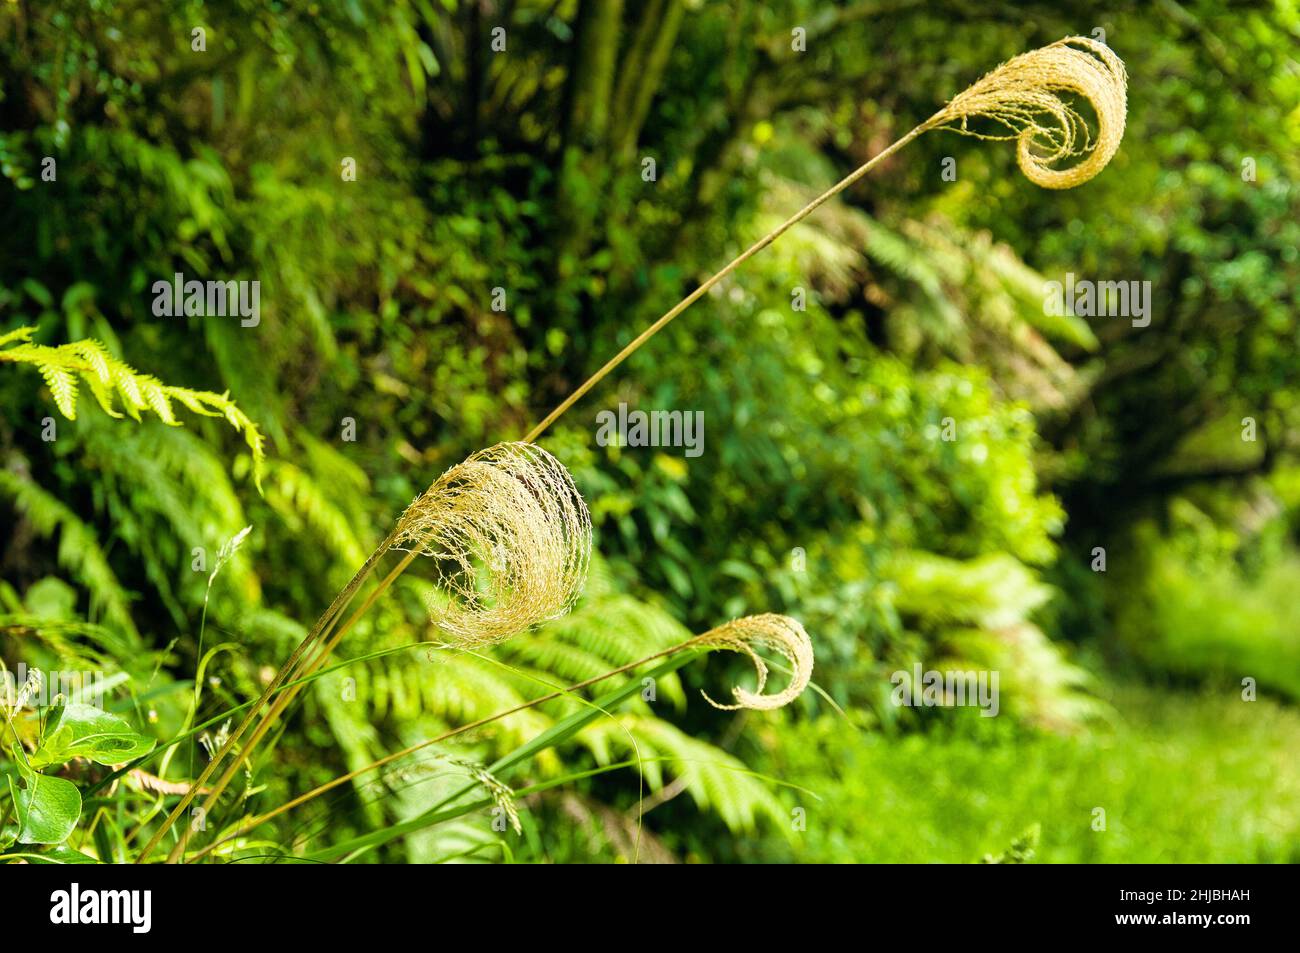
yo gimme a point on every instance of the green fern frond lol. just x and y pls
(18, 334)
(301, 500)
(607, 630)
(109, 380)
(166, 491)
(976, 614)
(76, 643)
(79, 551)
(992, 591)
(715, 780)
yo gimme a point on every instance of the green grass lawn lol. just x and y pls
(1182, 778)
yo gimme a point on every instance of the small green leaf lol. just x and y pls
(40, 294)
(48, 808)
(83, 731)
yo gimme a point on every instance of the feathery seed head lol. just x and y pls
(777, 633)
(510, 536)
(1024, 95)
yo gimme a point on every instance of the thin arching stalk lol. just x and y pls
(345, 597)
(336, 607)
(329, 785)
(304, 670)
(731, 266)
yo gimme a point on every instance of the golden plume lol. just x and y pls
(510, 536)
(777, 633)
(1024, 95)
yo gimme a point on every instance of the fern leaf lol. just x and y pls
(79, 551)
(156, 397)
(191, 400)
(128, 385)
(63, 387)
(106, 377)
(18, 334)
(299, 498)
(103, 396)
(93, 353)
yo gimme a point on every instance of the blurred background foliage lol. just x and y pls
(595, 170)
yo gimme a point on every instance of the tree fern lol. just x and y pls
(111, 381)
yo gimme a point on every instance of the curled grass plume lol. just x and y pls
(1024, 95)
(777, 633)
(510, 536)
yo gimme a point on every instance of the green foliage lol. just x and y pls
(916, 461)
(1196, 614)
(111, 380)
(976, 615)
(951, 796)
(607, 630)
(1020, 851)
(77, 730)
(78, 549)
(47, 808)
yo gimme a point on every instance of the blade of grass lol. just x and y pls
(418, 746)
(323, 624)
(558, 733)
